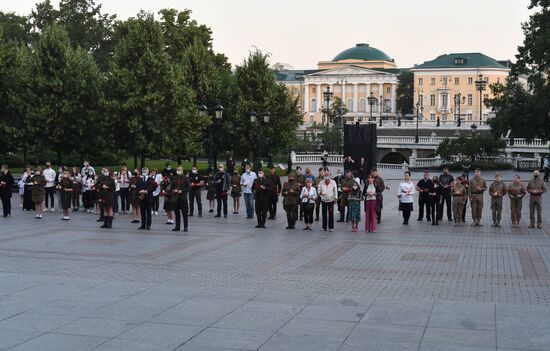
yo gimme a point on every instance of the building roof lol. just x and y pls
(293, 75)
(363, 52)
(462, 60)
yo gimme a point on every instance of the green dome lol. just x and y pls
(362, 52)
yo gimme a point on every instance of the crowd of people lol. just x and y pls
(305, 197)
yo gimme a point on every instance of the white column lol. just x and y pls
(381, 101)
(306, 98)
(355, 97)
(343, 87)
(319, 99)
(393, 98)
(368, 94)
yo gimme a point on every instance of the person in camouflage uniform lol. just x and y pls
(516, 192)
(497, 190)
(477, 188)
(535, 188)
(458, 193)
(291, 200)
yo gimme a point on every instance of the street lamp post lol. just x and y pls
(265, 116)
(381, 109)
(416, 139)
(458, 102)
(371, 100)
(218, 114)
(481, 84)
(327, 97)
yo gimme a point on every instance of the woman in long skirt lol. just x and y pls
(66, 190)
(370, 205)
(134, 197)
(38, 182)
(28, 204)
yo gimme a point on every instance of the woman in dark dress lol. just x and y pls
(66, 190)
(105, 191)
(28, 204)
(38, 181)
(134, 196)
(169, 200)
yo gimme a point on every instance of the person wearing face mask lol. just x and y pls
(134, 196)
(223, 183)
(236, 190)
(276, 188)
(66, 190)
(195, 192)
(436, 205)
(535, 188)
(146, 185)
(124, 181)
(380, 187)
(339, 179)
(58, 179)
(88, 182)
(328, 193)
(247, 180)
(301, 180)
(262, 189)
(168, 171)
(106, 187)
(38, 181)
(291, 199)
(346, 189)
(180, 184)
(476, 189)
(369, 193)
(423, 187)
(77, 188)
(169, 206)
(308, 197)
(156, 194)
(354, 206)
(316, 182)
(497, 190)
(6, 184)
(49, 188)
(28, 204)
(516, 192)
(405, 194)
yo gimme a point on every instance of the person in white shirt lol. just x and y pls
(247, 180)
(116, 193)
(87, 168)
(88, 182)
(156, 193)
(124, 180)
(308, 197)
(50, 176)
(405, 194)
(328, 192)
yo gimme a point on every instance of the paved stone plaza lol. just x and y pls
(227, 286)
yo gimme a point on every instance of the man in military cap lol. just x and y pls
(477, 188)
(535, 188)
(516, 192)
(291, 199)
(497, 190)
(458, 193)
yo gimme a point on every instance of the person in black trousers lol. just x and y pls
(261, 188)
(222, 181)
(446, 181)
(197, 183)
(424, 187)
(180, 184)
(6, 185)
(145, 187)
(436, 204)
(276, 188)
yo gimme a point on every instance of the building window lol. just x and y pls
(469, 116)
(362, 105)
(432, 116)
(420, 81)
(460, 61)
(388, 90)
(444, 100)
(457, 81)
(432, 100)
(470, 80)
(350, 105)
(470, 99)
(432, 81)
(314, 89)
(421, 100)
(313, 105)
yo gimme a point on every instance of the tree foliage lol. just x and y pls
(470, 148)
(525, 110)
(405, 92)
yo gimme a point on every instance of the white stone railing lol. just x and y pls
(525, 142)
(393, 167)
(425, 162)
(408, 140)
(315, 158)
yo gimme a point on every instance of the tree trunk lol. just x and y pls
(142, 160)
(135, 160)
(58, 157)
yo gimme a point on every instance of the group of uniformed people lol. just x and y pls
(435, 193)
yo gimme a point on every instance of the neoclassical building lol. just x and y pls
(353, 75)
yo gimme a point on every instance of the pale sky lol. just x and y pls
(303, 32)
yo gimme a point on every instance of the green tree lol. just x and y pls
(526, 110)
(152, 106)
(336, 110)
(256, 89)
(332, 139)
(16, 28)
(64, 92)
(85, 23)
(405, 92)
(470, 148)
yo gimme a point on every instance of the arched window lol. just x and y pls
(313, 106)
(362, 105)
(350, 105)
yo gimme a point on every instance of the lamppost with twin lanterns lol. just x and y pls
(372, 101)
(459, 100)
(481, 84)
(218, 114)
(418, 112)
(327, 95)
(255, 118)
